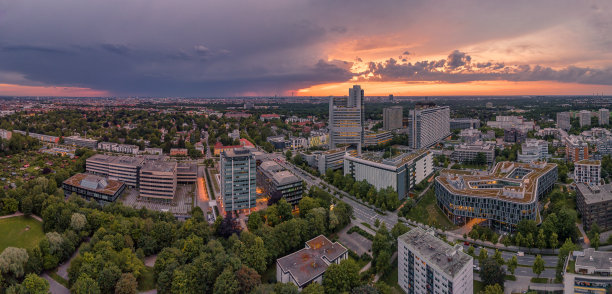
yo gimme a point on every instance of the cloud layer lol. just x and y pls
(218, 48)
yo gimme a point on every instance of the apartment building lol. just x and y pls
(587, 171)
(533, 150)
(401, 172)
(563, 121)
(514, 135)
(392, 118)
(584, 117)
(78, 141)
(427, 264)
(603, 116)
(576, 149)
(595, 205)
(428, 125)
(238, 180)
(511, 122)
(119, 148)
(502, 197)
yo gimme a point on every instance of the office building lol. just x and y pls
(584, 116)
(428, 125)
(533, 150)
(563, 121)
(158, 180)
(576, 149)
(401, 172)
(318, 138)
(464, 123)
(238, 180)
(377, 138)
(186, 173)
(331, 159)
(40, 137)
(587, 171)
(154, 151)
(93, 187)
(502, 197)
(244, 143)
(427, 264)
(468, 153)
(121, 168)
(604, 116)
(6, 135)
(392, 118)
(309, 264)
(277, 182)
(77, 141)
(514, 135)
(594, 204)
(346, 119)
(590, 273)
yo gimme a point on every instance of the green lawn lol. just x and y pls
(15, 234)
(427, 212)
(478, 287)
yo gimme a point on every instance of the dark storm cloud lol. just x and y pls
(218, 47)
(457, 68)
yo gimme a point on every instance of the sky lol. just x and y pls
(213, 48)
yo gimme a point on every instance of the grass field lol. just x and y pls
(14, 232)
(427, 212)
(478, 287)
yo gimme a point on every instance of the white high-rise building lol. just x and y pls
(392, 118)
(563, 120)
(587, 171)
(429, 265)
(604, 116)
(428, 126)
(238, 179)
(346, 119)
(585, 118)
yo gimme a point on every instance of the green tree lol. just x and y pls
(492, 273)
(341, 277)
(314, 288)
(78, 221)
(512, 264)
(541, 239)
(498, 257)
(595, 241)
(306, 204)
(493, 289)
(85, 285)
(127, 284)
(248, 279)
(538, 265)
(13, 261)
(554, 240)
(226, 283)
(108, 277)
(35, 284)
(529, 240)
(470, 250)
(483, 255)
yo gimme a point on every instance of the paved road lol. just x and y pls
(55, 287)
(549, 260)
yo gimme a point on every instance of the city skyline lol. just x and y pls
(310, 48)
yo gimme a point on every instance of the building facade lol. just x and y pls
(77, 141)
(401, 172)
(278, 183)
(467, 153)
(377, 138)
(93, 187)
(576, 149)
(428, 125)
(464, 123)
(514, 135)
(584, 117)
(502, 198)
(563, 121)
(533, 150)
(238, 180)
(427, 264)
(392, 118)
(158, 180)
(331, 159)
(595, 205)
(604, 116)
(346, 116)
(587, 171)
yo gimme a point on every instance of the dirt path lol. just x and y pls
(18, 213)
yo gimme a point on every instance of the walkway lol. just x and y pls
(18, 213)
(55, 287)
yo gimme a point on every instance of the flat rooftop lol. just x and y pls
(597, 259)
(187, 168)
(285, 177)
(595, 194)
(159, 166)
(235, 152)
(519, 177)
(589, 162)
(270, 166)
(427, 246)
(308, 263)
(396, 161)
(95, 183)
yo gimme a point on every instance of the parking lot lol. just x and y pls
(354, 241)
(180, 206)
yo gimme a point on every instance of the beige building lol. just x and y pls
(158, 180)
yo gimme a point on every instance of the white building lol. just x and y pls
(585, 118)
(604, 116)
(428, 126)
(470, 135)
(511, 122)
(401, 172)
(119, 148)
(533, 150)
(587, 171)
(426, 264)
(467, 153)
